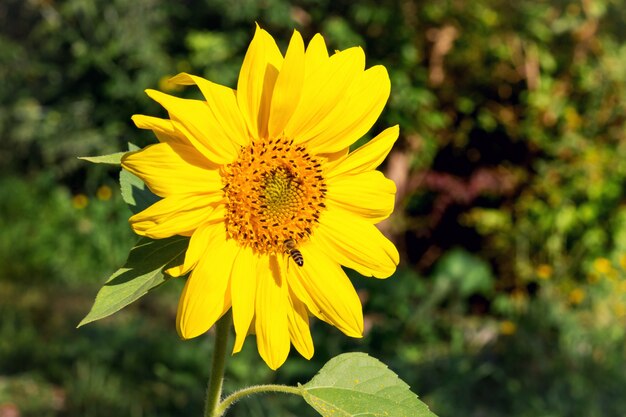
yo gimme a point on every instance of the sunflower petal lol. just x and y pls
(367, 157)
(299, 330)
(206, 296)
(162, 128)
(223, 106)
(323, 88)
(316, 54)
(355, 114)
(199, 126)
(257, 77)
(288, 86)
(297, 289)
(173, 168)
(200, 240)
(355, 243)
(368, 194)
(323, 286)
(272, 329)
(197, 245)
(243, 293)
(177, 215)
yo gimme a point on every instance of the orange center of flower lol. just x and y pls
(275, 191)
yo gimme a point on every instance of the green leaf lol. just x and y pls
(112, 159)
(135, 193)
(142, 272)
(355, 384)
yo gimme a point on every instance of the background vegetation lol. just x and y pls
(511, 296)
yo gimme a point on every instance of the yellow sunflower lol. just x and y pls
(262, 180)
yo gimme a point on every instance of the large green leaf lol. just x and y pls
(142, 272)
(355, 384)
(112, 159)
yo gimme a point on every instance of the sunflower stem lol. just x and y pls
(214, 389)
(256, 389)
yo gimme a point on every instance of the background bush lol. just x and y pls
(511, 215)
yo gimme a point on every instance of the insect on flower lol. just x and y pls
(290, 247)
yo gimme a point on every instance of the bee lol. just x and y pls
(289, 246)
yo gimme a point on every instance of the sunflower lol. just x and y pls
(262, 180)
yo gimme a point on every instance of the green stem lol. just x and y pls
(238, 395)
(214, 389)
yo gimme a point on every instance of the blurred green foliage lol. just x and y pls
(511, 297)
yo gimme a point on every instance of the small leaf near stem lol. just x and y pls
(214, 389)
(112, 159)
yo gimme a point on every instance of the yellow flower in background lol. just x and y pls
(577, 296)
(262, 180)
(104, 193)
(619, 309)
(544, 271)
(602, 265)
(507, 327)
(80, 201)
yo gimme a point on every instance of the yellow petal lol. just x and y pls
(332, 158)
(299, 331)
(206, 296)
(176, 271)
(355, 243)
(173, 168)
(368, 194)
(367, 157)
(272, 331)
(243, 293)
(316, 54)
(298, 290)
(199, 242)
(323, 286)
(257, 77)
(355, 114)
(222, 102)
(177, 215)
(288, 86)
(162, 128)
(323, 88)
(194, 120)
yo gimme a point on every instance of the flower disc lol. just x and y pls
(274, 192)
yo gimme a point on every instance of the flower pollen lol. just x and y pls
(275, 192)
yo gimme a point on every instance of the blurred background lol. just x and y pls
(510, 299)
